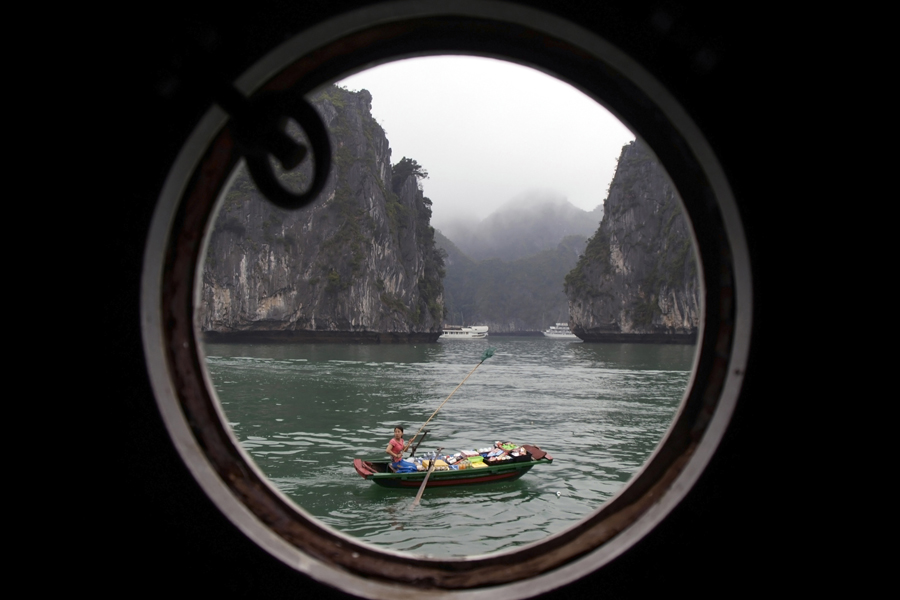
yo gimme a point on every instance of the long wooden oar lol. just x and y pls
(487, 354)
(425, 481)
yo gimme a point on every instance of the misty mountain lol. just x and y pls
(530, 223)
(522, 295)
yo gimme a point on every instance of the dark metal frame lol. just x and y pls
(175, 252)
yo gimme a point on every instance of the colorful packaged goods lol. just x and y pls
(438, 464)
(499, 453)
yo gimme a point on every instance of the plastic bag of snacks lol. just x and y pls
(452, 460)
(520, 454)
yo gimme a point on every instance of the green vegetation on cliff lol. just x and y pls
(638, 274)
(361, 258)
(596, 252)
(430, 284)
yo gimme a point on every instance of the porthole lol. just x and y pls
(351, 43)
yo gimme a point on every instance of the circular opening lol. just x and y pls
(287, 297)
(196, 422)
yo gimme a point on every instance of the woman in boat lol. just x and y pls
(396, 447)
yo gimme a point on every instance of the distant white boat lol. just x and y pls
(560, 331)
(458, 332)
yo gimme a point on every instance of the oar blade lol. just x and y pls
(421, 489)
(425, 481)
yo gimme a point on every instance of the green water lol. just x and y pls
(304, 411)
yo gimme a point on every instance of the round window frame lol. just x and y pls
(379, 34)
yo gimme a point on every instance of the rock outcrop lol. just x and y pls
(358, 265)
(637, 279)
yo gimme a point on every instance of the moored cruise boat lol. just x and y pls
(560, 331)
(458, 332)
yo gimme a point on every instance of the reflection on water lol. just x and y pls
(305, 411)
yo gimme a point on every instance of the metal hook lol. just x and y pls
(260, 130)
(259, 126)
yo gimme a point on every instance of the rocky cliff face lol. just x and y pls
(637, 279)
(358, 265)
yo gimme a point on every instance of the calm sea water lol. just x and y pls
(305, 411)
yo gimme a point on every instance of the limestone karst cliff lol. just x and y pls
(637, 279)
(359, 264)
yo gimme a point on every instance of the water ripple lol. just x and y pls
(303, 412)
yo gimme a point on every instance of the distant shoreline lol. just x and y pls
(638, 338)
(307, 336)
(375, 337)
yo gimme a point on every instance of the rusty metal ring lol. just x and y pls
(174, 254)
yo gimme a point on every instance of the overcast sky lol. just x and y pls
(488, 130)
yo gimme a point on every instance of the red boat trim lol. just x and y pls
(465, 481)
(363, 468)
(370, 469)
(536, 453)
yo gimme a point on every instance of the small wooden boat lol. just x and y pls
(380, 473)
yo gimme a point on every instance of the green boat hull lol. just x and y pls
(377, 471)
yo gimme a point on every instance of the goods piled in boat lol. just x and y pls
(504, 461)
(498, 454)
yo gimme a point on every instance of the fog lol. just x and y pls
(489, 132)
